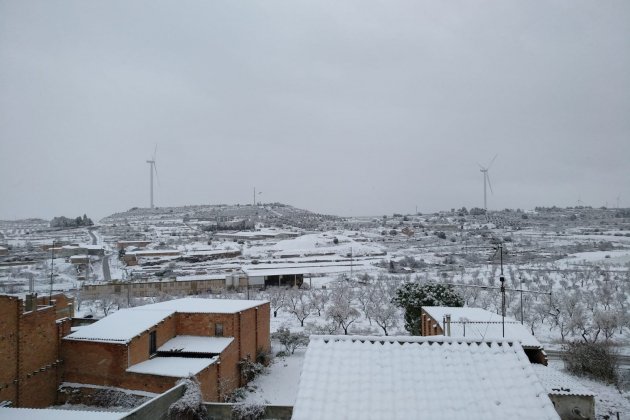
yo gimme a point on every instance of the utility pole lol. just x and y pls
(351, 265)
(502, 280)
(52, 266)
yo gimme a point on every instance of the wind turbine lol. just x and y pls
(486, 182)
(152, 168)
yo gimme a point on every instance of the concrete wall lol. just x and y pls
(157, 408)
(220, 411)
(153, 288)
(574, 407)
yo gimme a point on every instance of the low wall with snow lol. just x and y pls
(222, 411)
(157, 408)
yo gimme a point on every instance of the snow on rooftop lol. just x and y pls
(211, 306)
(125, 324)
(196, 344)
(191, 277)
(559, 383)
(121, 326)
(494, 331)
(7, 413)
(464, 314)
(178, 367)
(405, 377)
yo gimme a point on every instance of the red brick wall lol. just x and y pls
(9, 315)
(229, 373)
(139, 346)
(29, 350)
(203, 324)
(90, 362)
(263, 325)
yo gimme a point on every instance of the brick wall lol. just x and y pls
(92, 362)
(29, 353)
(9, 316)
(139, 346)
(263, 339)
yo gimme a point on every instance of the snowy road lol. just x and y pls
(106, 274)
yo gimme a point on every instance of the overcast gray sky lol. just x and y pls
(345, 107)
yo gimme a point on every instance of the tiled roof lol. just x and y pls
(418, 377)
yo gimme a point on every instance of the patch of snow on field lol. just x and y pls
(279, 385)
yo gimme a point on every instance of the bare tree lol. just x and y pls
(277, 298)
(299, 304)
(340, 309)
(319, 299)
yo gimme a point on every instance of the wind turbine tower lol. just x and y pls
(486, 182)
(152, 169)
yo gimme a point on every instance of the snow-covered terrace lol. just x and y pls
(196, 344)
(177, 367)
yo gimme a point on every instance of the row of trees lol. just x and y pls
(65, 222)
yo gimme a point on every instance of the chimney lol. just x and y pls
(447, 330)
(31, 302)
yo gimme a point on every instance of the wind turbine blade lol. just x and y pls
(481, 167)
(492, 161)
(489, 184)
(154, 151)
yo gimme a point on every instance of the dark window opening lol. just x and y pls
(152, 343)
(218, 329)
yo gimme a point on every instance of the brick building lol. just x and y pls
(30, 335)
(150, 347)
(477, 323)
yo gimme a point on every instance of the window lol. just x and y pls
(218, 329)
(152, 343)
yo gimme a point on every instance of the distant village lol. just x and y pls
(266, 311)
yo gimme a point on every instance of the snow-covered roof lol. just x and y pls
(494, 331)
(409, 377)
(178, 367)
(191, 277)
(464, 314)
(310, 269)
(7, 413)
(479, 324)
(121, 326)
(210, 306)
(196, 344)
(559, 383)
